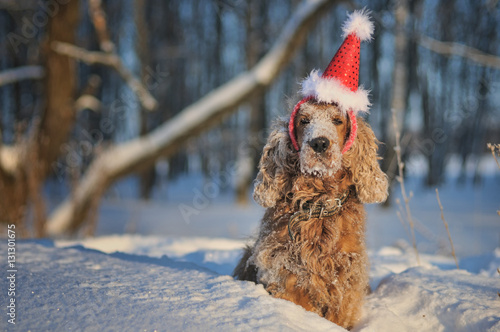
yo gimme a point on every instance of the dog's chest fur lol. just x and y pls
(328, 251)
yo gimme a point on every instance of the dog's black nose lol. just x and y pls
(319, 144)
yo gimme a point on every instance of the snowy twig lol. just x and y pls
(99, 21)
(20, 74)
(399, 103)
(447, 229)
(494, 147)
(498, 271)
(401, 181)
(111, 60)
(10, 158)
(88, 102)
(89, 57)
(456, 49)
(448, 49)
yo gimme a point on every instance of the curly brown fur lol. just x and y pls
(325, 269)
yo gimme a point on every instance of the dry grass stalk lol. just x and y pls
(401, 181)
(447, 229)
(399, 213)
(498, 270)
(494, 147)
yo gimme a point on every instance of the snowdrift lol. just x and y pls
(65, 286)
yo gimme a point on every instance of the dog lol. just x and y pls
(311, 244)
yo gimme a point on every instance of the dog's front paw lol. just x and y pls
(272, 289)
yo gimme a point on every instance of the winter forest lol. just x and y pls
(136, 126)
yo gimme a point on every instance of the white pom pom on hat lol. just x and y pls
(358, 22)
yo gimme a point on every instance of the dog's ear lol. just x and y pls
(276, 163)
(362, 161)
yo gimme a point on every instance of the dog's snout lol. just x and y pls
(319, 144)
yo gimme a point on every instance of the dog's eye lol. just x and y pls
(304, 121)
(337, 121)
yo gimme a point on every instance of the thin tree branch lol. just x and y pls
(400, 179)
(399, 104)
(87, 99)
(88, 102)
(14, 75)
(494, 147)
(18, 4)
(455, 49)
(111, 60)
(449, 48)
(10, 158)
(99, 20)
(142, 152)
(89, 57)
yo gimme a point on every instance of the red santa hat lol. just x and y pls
(338, 84)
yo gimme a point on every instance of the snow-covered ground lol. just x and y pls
(181, 284)
(167, 267)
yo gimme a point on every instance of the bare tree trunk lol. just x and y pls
(399, 86)
(434, 117)
(148, 176)
(125, 158)
(38, 153)
(479, 140)
(248, 158)
(59, 117)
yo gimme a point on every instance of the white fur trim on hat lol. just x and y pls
(358, 23)
(330, 90)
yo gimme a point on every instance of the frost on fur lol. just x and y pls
(358, 23)
(272, 177)
(310, 163)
